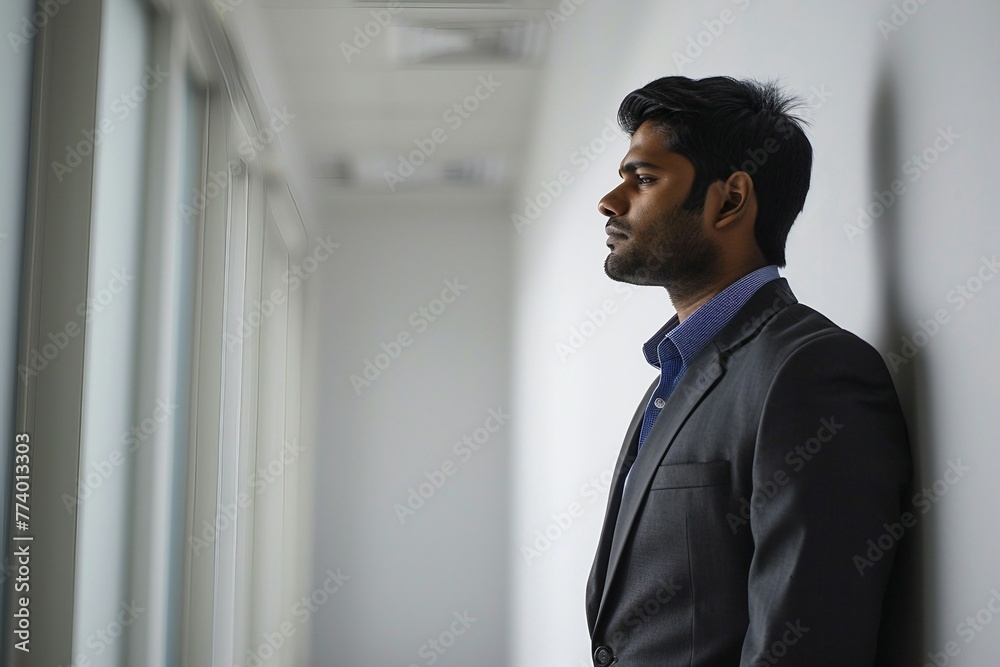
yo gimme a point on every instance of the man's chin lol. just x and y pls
(623, 274)
(609, 268)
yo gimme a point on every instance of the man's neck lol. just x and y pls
(685, 303)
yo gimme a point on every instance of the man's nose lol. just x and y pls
(611, 205)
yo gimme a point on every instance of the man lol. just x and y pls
(772, 447)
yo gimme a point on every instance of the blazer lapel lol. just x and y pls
(595, 586)
(684, 399)
(697, 381)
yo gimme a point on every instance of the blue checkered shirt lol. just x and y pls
(676, 345)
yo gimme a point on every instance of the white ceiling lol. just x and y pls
(355, 118)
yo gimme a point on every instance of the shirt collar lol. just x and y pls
(689, 337)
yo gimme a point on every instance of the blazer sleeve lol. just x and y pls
(831, 466)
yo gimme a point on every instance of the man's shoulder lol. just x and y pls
(774, 326)
(802, 336)
(798, 323)
(773, 314)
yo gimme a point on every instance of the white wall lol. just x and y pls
(406, 580)
(875, 102)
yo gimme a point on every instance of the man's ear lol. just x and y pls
(737, 199)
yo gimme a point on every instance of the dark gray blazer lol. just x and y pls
(781, 452)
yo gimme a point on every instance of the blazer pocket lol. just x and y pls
(691, 475)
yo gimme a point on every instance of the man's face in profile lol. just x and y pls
(653, 239)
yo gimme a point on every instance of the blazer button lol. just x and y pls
(603, 657)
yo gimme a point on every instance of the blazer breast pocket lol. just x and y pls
(690, 475)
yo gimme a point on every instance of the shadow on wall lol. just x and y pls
(902, 631)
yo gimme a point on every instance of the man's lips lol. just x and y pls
(615, 235)
(614, 231)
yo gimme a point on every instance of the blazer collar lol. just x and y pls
(698, 380)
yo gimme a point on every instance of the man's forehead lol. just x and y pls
(648, 141)
(648, 156)
(654, 129)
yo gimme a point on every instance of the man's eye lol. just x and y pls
(645, 180)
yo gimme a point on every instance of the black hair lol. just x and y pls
(724, 125)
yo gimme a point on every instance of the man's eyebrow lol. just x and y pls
(632, 167)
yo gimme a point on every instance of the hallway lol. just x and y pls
(310, 355)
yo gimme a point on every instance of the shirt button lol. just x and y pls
(659, 403)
